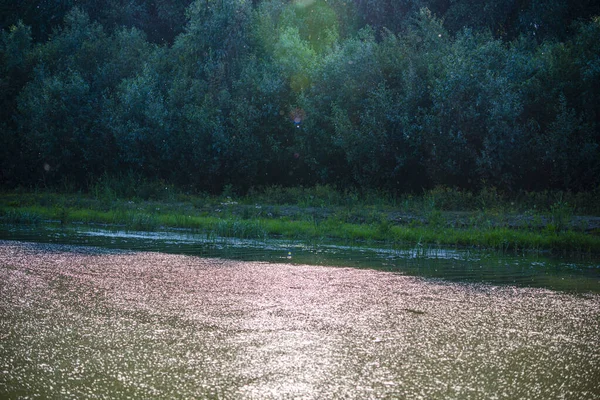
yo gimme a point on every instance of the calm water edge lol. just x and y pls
(108, 314)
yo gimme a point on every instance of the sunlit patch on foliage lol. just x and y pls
(399, 97)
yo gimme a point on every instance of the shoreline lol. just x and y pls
(244, 218)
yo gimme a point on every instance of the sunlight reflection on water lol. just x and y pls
(574, 275)
(95, 323)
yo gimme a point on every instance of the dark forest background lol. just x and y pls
(396, 95)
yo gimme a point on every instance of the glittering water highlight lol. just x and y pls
(572, 275)
(85, 322)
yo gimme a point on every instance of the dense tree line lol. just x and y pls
(392, 94)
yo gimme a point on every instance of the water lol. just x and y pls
(529, 270)
(122, 320)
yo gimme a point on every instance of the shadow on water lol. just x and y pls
(525, 270)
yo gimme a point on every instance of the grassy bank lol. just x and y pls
(444, 217)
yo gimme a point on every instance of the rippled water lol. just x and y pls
(100, 322)
(567, 274)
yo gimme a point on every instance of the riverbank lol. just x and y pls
(536, 222)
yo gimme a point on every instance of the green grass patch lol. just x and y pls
(216, 216)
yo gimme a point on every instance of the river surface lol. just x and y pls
(135, 317)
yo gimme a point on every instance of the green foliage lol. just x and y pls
(296, 58)
(15, 67)
(141, 222)
(216, 31)
(384, 227)
(552, 230)
(561, 214)
(20, 217)
(316, 22)
(362, 96)
(131, 186)
(58, 124)
(63, 110)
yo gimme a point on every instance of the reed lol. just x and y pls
(243, 218)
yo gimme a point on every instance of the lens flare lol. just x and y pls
(303, 3)
(297, 115)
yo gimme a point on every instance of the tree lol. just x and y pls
(15, 67)
(62, 111)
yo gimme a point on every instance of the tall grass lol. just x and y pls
(21, 217)
(323, 213)
(131, 186)
(242, 229)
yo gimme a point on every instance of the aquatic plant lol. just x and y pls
(240, 229)
(484, 228)
(561, 213)
(20, 217)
